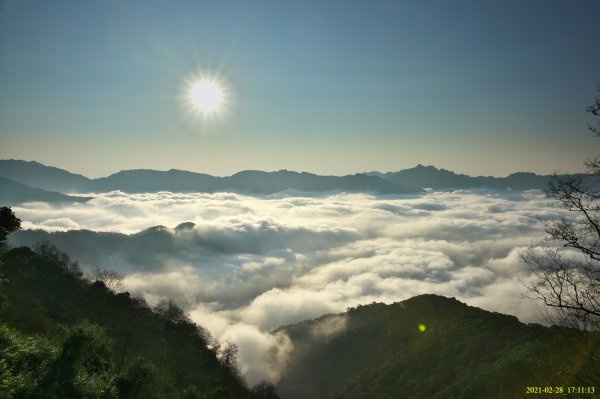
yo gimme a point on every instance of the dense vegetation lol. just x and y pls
(434, 347)
(64, 336)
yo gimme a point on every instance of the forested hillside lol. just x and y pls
(434, 347)
(63, 336)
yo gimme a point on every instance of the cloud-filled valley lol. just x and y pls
(242, 265)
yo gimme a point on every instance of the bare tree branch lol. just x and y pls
(111, 279)
(566, 269)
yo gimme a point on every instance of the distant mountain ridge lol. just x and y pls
(442, 179)
(38, 175)
(250, 181)
(147, 180)
(408, 181)
(14, 193)
(35, 174)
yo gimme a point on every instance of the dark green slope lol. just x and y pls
(62, 336)
(464, 352)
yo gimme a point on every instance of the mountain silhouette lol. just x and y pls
(273, 182)
(35, 174)
(148, 180)
(408, 181)
(13, 193)
(442, 179)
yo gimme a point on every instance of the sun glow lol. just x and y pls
(206, 96)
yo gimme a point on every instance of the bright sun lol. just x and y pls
(206, 96)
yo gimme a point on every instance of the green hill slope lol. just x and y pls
(434, 347)
(63, 336)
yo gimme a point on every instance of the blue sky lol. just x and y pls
(330, 87)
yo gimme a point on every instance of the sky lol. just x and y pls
(329, 87)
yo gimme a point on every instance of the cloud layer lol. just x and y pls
(243, 266)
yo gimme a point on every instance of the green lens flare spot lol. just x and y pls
(422, 327)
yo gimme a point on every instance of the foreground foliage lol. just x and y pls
(63, 336)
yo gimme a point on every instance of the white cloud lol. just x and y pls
(247, 265)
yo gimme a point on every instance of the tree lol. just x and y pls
(263, 390)
(111, 279)
(140, 380)
(24, 360)
(49, 251)
(228, 356)
(8, 223)
(83, 366)
(566, 268)
(169, 311)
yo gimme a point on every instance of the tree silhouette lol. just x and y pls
(264, 390)
(8, 223)
(567, 267)
(111, 279)
(169, 311)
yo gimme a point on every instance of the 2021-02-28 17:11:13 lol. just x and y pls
(560, 390)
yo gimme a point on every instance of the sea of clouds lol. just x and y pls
(246, 265)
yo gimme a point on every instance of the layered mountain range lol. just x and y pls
(22, 181)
